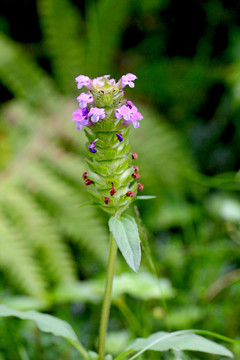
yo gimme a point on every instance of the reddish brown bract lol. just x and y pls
(134, 156)
(140, 187)
(84, 175)
(112, 191)
(130, 194)
(106, 199)
(136, 175)
(88, 182)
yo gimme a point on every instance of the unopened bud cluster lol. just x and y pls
(106, 118)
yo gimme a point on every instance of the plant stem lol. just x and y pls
(107, 297)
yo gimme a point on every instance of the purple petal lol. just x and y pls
(84, 99)
(94, 142)
(128, 80)
(130, 76)
(120, 137)
(85, 111)
(135, 124)
(91, 147)
(83, 80)
(92, 150)
(78, 126)
(95, 118)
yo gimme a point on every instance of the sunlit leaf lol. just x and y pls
(125, 233)
(181, 340)
(46, 323)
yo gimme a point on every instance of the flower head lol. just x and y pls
(128, 80)
(83, 80)
(84, 99)
(103, 107)
(96, 113)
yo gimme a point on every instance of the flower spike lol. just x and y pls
(105, 115)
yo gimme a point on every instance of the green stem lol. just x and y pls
(107, 297)
(80, 348)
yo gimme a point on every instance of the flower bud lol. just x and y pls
(106, 199)
(136, 175)
(130, 194)
(88, 182)
(134, 156)
(140, 187)
(84, 175)
(112, 191)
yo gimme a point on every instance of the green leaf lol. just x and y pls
(179, 340)
(142, 285)
(145, 197)
(46, 323)
(125, 233)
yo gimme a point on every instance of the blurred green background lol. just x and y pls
(186, 56)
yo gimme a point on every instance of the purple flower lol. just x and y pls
(78, 125)
(128, 80)
(83, 80)
(135, 118)
(96, 113)
(81, 118)
(85, 111)
(91, 147)
(84, 99)
(129, 113)
(129, 104)
(120, 137)
(123, 112)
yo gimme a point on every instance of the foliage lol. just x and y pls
(45, 323)
(190, 78)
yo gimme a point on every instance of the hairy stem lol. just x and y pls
(107, 297)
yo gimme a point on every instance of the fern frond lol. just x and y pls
(62, 27)
(63, 200)
(49, 170)
(162, 152)
(17, 259)
(21, 74)
(40, 234)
